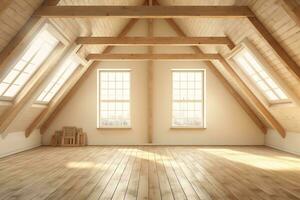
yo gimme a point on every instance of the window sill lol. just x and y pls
(5, 103)
(187, 127)
(281, 104)
(114, 128)
(39, 105)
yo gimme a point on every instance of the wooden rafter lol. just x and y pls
(144, 11)
(290, 64)
(223, 80)
(178, 56)
(156, 41)
(48, 116)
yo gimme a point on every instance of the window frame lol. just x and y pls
(203, 103)
(246, 44)
(70, 55)
(21, 50)
(99, 126)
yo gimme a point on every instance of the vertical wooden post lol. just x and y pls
(150, 82)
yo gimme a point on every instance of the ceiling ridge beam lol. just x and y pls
(144, 11)
(224, 81)
(150, 40)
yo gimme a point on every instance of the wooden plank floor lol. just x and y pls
(149, 172)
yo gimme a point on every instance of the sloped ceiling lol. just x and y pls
(282, 27)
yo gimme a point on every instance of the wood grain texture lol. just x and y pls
(155, 41)
(144, 11)
(99, 57)
(290, 64)
(150, 172)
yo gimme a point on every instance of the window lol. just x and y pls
(35, 54)
(114, 99)
(68, 66)
(188, 99)
(254, 69)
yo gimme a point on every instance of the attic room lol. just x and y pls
(150, 99)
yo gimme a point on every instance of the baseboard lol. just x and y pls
(183, 145)
(289, 144)
(283, 149)
(19, 150)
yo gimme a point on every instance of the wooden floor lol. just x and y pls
(149, 172)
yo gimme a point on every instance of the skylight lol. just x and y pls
(258, 75)
(33, 57)
(62, 75)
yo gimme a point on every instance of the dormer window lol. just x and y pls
(66, 69)
(255, 70)
(27, 64)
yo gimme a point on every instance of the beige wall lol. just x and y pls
(227, 123)
(290, 143)
(15, 142)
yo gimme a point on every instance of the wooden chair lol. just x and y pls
(81, 137)
(56, 138)
(69, 136)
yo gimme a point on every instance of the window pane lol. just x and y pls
(64, 72)
(3, 87)
(12, 91)
(253, 68)
(280, 94)
(11, 76)
(187, 99)
(114, 99)
(35, 54)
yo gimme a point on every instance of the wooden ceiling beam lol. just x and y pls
(155, 41)
(225, 83)
(150, 56)
(144, 11)
(290, 64)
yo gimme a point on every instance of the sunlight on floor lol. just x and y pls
(84, 165)
(251, 159)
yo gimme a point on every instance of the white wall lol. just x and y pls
(15, 142)
(291, 143)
